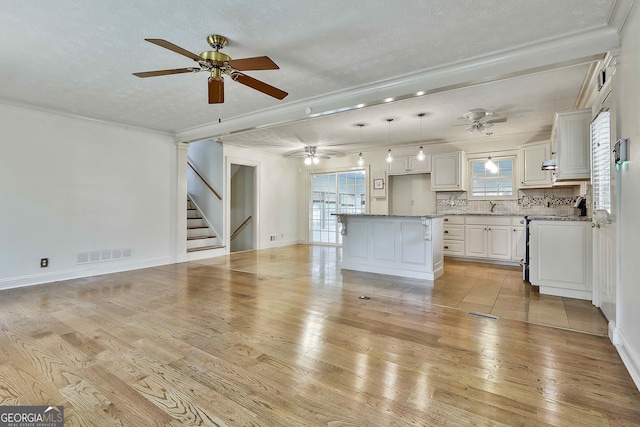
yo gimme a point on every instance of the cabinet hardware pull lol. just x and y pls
(446, 231)
(446, 219)
(446, 247)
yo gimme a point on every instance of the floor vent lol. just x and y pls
(103, 255)
(486, 316)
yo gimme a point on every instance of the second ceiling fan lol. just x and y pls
(218, 64)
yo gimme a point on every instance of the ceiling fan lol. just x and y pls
(217, 63)
(479, 120)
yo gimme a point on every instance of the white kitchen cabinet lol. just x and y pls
(560, 260)
(571, 136)
(531, 157)
(488, 237)
(409, 164)
(454, 238)
(517, 239)
(448, 172)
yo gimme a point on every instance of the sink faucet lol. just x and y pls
(493, 205)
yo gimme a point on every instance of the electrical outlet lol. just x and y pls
(44, 262)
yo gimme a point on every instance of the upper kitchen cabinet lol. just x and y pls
(531, 157)
(449, 172)
(570, 137)
(404, 165)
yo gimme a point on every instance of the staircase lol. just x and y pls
(200, 237)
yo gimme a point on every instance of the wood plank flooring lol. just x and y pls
(280, 337)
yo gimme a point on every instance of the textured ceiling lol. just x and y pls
(77, 56)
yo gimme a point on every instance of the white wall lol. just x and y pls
(277, 191)
(628, 71)
(70, 185)
(207, 158)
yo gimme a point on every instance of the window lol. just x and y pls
(601, 162)
(331, 193)
(495, 184)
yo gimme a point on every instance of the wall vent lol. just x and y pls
(103, 255)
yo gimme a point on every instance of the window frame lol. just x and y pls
(514, 175)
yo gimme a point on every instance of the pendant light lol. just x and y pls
(389, 158)
(360, 158)
(490, 165)
(421, 155)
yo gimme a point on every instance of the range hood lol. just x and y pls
(549, 165)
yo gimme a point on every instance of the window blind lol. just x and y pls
(601, 161)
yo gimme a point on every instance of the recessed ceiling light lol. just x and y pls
(388, 100)
(420, 93)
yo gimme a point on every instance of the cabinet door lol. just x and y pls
(531, 158)
(517, 243)
(398, 165)
(561, 257)
(476, 241)
(499, 242)
(419, 166)
(573, 144)
(446, 172)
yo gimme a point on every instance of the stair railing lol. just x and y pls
(244, 223)
(204, 180)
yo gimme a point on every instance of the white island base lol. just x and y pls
(406, 246)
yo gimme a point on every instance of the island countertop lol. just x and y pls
(393, 216)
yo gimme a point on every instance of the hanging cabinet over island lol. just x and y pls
(398, 245)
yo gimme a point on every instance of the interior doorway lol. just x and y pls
(243, 208)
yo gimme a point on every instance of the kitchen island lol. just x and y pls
(398, 245)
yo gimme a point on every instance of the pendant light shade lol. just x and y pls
(490, 165)
(420, 157)
(389, 158)
(360, 158)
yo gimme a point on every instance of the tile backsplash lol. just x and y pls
(550, 201)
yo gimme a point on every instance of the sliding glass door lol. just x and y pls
(331, 193)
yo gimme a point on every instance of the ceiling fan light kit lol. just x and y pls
(217, 64)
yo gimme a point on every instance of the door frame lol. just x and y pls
(229, 161)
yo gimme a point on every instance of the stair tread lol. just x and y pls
(200, 237)
(204, 248)
(197, 227)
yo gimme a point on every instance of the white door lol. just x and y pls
(604, 180)
(499, 244)
(476, 241)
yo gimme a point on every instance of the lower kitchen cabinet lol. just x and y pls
(488, 237)
(484, 237)
(560, 258)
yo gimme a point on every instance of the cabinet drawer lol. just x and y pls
(488, 220)
(453, 219)
(454, 247)
(454, 232)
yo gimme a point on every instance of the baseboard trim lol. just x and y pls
(77, 273)
(630, 357)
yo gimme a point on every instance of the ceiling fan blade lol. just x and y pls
(177, 49)
(258, 85)
(502, 120)
(166, 72)
(216, 90)
(256, 63)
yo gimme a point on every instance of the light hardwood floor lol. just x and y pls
(280, 337)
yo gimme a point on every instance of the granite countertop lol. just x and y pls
(394, 216)
(557, 218)
(485, 214)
